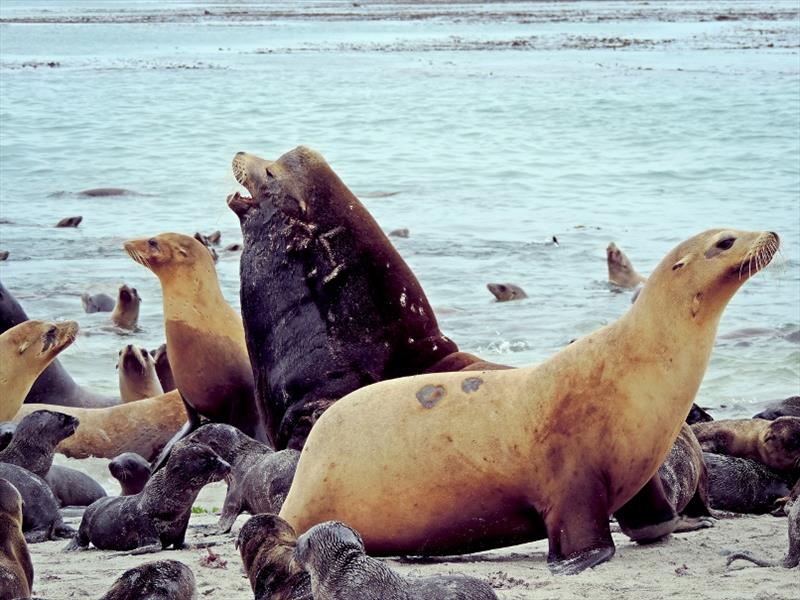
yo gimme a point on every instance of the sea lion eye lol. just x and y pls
(726, 243)
(152, 243)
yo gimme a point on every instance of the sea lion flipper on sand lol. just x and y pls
(648, 516)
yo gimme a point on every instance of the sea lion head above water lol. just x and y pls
(506, 291)
(620, 269)
(126, 310)
(137, 374)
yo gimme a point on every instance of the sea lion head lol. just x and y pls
(781, 443)
(47, 426)
(616, 259)
(11, 503)
(7, 430)
(40, 341)
(506, 291)
(318, 546)
(268, 541)
(136, 361)
(196, 464)
(128, 296)
(131, 470)
(220, 437)
(168, 252)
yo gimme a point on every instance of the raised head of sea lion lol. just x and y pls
(97, 302)
(789, 407)
(137, 374)
(25, 351)
(16, 568)
(126, 310)
(163, 370)
(528, 471)
(506, 291)
(131, 470)
(328, 304)
(69, 222)
(205, 336)
(158, 580)
(267, 544)
(620, 270)
(36, 438)
(333, 554)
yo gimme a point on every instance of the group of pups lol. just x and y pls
(409, 446)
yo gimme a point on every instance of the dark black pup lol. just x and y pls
(328, 304)
(34, 443)
(157, 517)
(158, 580)
(131, 470)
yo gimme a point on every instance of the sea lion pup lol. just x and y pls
(4, 254)
(69, 222)
(35, 440)
(41, 520)
(504, 292)
(137, 374)
(16, 568)
(333, 554)
(163, 370)
(328, 304)
(156, 517)
(97, 303)
(260, 477)
(790, 407)
(633, 381)
(7, 429)
(205, 336)
(144, 426)
(132, 471)
(267, 544)
(126, 310)
(54, 385)
(742, 485)
(25, 351)
(792, 558)
(620, 270)
(157, 580)
(698, 415)
(773, 443)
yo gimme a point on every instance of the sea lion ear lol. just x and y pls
(24, 346)
(183, 251)
(682, 262)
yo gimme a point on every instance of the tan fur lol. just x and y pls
(126, 310)
(25, 351)
(137, 375)
(16, 568)
(470, 455)
(620, 269)
(143, 427)
(773, 443)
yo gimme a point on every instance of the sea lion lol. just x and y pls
(233, 248)
(16, 568)
(163, 370)
(155, 518)
(144, 426)
(41, 520)
(25, 351)
(267, 544)
(205, 336)
(69, 222)
(790, 407)
(792, 558)
(132, 471)
(773, 443)
(54, 385)
(212, 238)
(7, 429)
(35, 440)
(72, 487)
(742, 485)
(157, 580)
(504, 292)
(698, 415)
(106, 192)
(207, 244)
(4, 254)
(523, 469)
(620, 270)
(401, 233)
(328, 304)
(97, 303)
(260, 477)
(126, 310)
(333, 554)
(137, 374)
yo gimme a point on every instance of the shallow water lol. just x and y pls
(494, 127)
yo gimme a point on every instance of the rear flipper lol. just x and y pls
(746, 556)
(77, 543)
(188, 427)
(648, 516)
(692, 524)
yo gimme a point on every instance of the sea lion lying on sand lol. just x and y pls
(158, 580)
(742, 485)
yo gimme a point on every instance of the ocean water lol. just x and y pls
(484, 128)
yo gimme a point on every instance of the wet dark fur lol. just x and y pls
(742, 485)
(698, 415)
(131, 470)
(684, 477)
(34, 443)
(790, 407)
(161, 580)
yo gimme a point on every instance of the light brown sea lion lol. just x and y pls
(16, 568)
(144, 427)
(487, 459)
(773, 443)
(506, 291)
(25, 351)
(157, 580)
(69, 222)
(620, 270)
(137, 374)
(205, 336)
(126, 310)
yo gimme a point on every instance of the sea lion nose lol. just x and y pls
(129, 347)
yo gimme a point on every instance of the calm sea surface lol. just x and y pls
(485, 129)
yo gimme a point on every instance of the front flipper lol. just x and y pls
(188, 427)
(692, 524)
(648, 516)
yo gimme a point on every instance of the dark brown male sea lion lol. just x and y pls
(16, 568)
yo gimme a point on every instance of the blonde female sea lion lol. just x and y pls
(620, 269)
(16, 568)
(137, 374)
(126, 310)
(478, 460)
(25, 351)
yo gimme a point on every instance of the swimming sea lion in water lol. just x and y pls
(132, 471)
(773, 443)
(106, 192)
(163, 370)
(205, 336)
(126, 310)
(233, 248)
(137, 374)
(401, 233)
(328, 304)
(97, 303)
(260, 477)
(620, 270)
(504, 292)
(790, 407)
(157, 580)
(155, 518)
(267, 544)
(25, 351)
(54, 385)
(333, 554)
(41, 520)
(4, 254)
(7, 429)
(525, 470)
(35, 440)
(16, 567)
(69, 222)
(742, 485)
